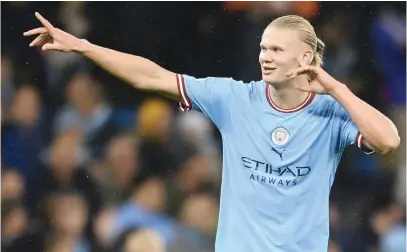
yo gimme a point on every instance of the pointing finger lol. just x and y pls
(44, 22)
(300, 70)
(303, 69)
(38, 39)
(35, 31)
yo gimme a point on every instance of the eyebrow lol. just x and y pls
(271, 46)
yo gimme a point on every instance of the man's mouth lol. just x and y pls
(268, 70)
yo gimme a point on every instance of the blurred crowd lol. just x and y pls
(90, 164)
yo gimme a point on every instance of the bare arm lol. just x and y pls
(379, 132)
(139, 72)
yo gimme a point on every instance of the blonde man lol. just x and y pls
(283, 136)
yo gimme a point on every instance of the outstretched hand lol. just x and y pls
(319, 81)
(51, 38)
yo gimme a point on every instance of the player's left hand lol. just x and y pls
(319, 81)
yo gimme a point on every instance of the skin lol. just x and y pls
(282, 50)
(293, 62)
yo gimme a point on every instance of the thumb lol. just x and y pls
(298, 71)
(49, 46)
(303, 64)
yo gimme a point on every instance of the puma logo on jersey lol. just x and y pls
(278, 153)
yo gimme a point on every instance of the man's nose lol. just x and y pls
(267, 58)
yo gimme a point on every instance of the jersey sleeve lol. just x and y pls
(207, 95)
(348, 132)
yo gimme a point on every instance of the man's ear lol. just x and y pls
(306, 58)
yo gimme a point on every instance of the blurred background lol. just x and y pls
(90, 164)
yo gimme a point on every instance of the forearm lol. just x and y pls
(139, 72)
(376, 128)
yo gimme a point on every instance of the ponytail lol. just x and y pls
(319, 53)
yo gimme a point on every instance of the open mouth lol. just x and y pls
(268, 70)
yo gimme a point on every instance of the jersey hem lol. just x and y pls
(359, 142)
(185, 103)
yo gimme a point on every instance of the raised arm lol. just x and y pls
(378, 133)
(139, 72)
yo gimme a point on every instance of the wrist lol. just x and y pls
(337, 89)
(82, 46)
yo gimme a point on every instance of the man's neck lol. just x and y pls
(286, 96)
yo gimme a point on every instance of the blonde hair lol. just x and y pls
(306, 32)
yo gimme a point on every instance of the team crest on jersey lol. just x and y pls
(280, 136)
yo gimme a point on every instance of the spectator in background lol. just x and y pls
(63, 168)
(161, 151)
(345, 238)
(389, 42)
(120, 169)
(15, 231)
(146, 208)
(197, 174)
(67, 220)
(151, 189)
(198, 220)
(140, 240)
(198, 131)
(102, 229)
(15, 236)
(87, 112)
(12, 185)
(389, 224)
(23, 137)
(15, 224)
(334, 247)
(341, 55)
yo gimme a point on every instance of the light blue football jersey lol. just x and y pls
(278, 165)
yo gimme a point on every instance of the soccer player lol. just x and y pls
(283, 136)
